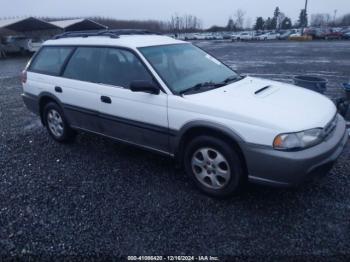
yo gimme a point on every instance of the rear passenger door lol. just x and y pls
(80, 88)
(136, 117)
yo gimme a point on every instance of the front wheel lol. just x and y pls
(215, 166)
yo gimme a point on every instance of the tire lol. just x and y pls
(222, 175)
(57, 124)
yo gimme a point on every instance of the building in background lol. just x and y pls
(27, 34)
(78, 24)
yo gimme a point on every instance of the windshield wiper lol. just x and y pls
(199, 87)
(232, 79)
(210, 85)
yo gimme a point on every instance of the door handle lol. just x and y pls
(106, 99)
(58, 89)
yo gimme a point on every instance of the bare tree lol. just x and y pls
(281, 16)
(345, 20)
(185, 23)
(320, 19)
(239, 18)
(248, 23)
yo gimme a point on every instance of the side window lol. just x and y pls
(84, 64)
(50, 60)
(120, 67)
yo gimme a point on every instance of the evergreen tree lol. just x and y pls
(277, 12)
(286, 23)
(259, 24)
(230, 25)
(267, 24)
(273, 24)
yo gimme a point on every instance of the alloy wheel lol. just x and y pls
(211, 168)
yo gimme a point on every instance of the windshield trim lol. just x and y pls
(173, 44)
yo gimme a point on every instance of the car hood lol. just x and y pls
(267, 104)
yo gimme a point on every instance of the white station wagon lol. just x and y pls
(173, 98)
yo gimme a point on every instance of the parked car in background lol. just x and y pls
(285, 35)
(226, 36)
(236, 36)
(218, 36)
(295, 35)
(346, 35)
(258, 33)
(34, 44)
(22, 44)
(243, 36)
(247, 36)
(199, 36)
(331, 34)
(316, 33)
(268, 36)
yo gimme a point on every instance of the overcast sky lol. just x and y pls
(211, 12)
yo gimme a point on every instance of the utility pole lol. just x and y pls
(306, 2)
(306, 5)
(335, 15)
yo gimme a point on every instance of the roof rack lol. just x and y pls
(112, 33)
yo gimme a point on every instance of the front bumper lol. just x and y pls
(268, 166)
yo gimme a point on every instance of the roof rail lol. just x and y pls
(112, 33)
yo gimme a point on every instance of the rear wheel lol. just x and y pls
(215, 167)
(57, 124)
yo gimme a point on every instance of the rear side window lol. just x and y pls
(84, 64)
(50, 60)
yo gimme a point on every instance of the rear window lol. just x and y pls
(50, 60)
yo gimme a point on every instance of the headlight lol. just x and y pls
(300, 140)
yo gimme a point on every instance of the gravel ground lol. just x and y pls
(94, 197)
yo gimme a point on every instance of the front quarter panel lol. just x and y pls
(182, 112)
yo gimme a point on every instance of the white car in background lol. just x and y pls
(297, 34)
(33, 45)
(243, 36)
(21, 44)
(235, 36)
(199, 36)
(246, 36)
(268, 36)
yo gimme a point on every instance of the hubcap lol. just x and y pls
(55, 123)
(211, 168)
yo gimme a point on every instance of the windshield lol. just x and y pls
(183, 66)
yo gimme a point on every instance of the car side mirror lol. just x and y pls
(144, 86)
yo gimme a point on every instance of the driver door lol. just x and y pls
(135, 117)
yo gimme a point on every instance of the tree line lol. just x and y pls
(319, 20)
(176, 24)
(236, 22)
(279, 21)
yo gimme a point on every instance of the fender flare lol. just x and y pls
(44, 95)
(177, 140)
